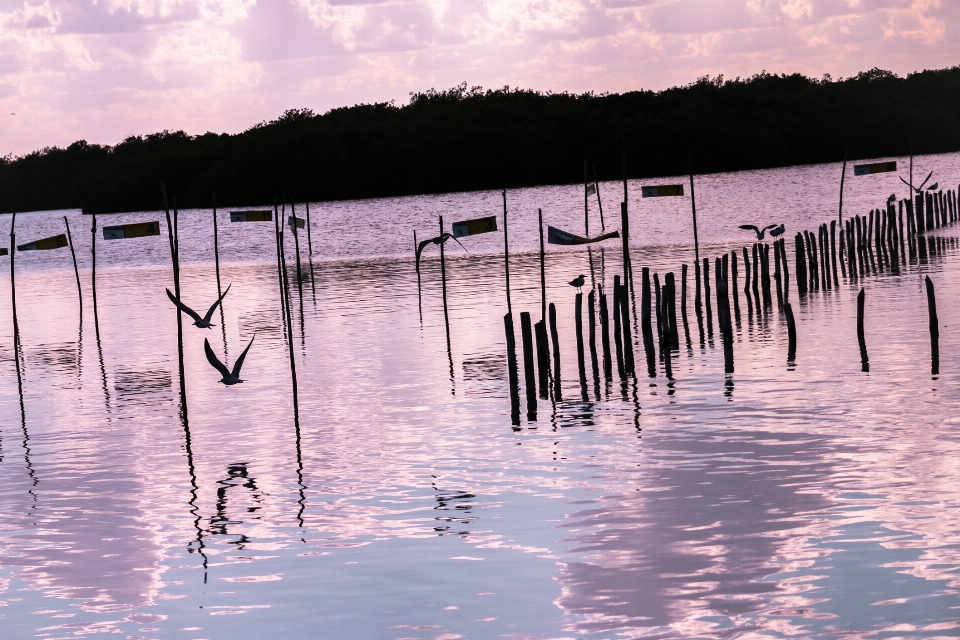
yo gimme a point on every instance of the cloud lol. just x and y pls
(104, 69)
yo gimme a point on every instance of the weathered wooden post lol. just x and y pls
(934, 329)
(645, 303)
(581, 368)
(864, 360)
(592, 325)
(555, 339)
(617, 337)
(627, 265)
(920, 218)
(706, 296)
(512, 368)
(216, 244)
(786, 269)
(605, 336)
(543, 272)
(543, 358)
(723, 315)
(791, 334)
(530, 381)
(777, 276)
(746, 273)
(173, 239)
(683, 302)
(733, 285)
(696, 239)
(625, 327)
(672, 310)
(801, 265)
(765, 273)
(309, 232)
(13, 290)
(658, 305)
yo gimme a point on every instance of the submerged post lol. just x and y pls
(512, 368)
(555, 339)
(791, 333)
(864, 360)
(934, 329)
(605, 336)
(530, 379)
(581, 368)
(543, 358)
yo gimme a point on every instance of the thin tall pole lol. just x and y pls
(13, 290)
(596, 185)
(76, 271)
(693, 208)
(586, 198)
(543, 273)
(443, 277)
(93, 269)
(216, 243)
(506, 250)
(285, 301)
(843, 174)
(296, 246)
(309, 232)
(175, 259)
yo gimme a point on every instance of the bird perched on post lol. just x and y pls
(757, 230)
(777, 231)
(577, 282)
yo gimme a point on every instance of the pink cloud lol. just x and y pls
(102, 70)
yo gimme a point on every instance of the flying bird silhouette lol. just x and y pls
(919, 189)
(757, 230)
(204, 322)
(229, 377)
(577, 282)
(436, 241)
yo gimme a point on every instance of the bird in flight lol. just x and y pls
(577, 282)
(919, 189)
(204, 322)
(229, 377)
(438, 240)
(757, 230)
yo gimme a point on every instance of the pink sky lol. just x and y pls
(102, 70)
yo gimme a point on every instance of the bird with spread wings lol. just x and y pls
(437, 241)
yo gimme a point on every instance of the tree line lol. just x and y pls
(467, 139)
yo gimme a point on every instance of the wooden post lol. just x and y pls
(765, 273)
(645, 303)
(175, 261)
(903, 252)
(671, 308)
(843, 174)
(693, 209)
(93, 266)
(786, 269)
(618, 302)
(625, 232)
(733, 285)
(511, 368)
(285, 299)
(13, 290)
(592, 324)
(586, 201)
(443, 279)
(864, 360)
(543, 358)
(801, 265)
(596, 184)
(777, 276)
(706, 296)
(843, 245)
(659, 307)
(530, 378)
(683, 302)
(605, 336)
(833, 252)
(756, 270)
(625, 327)
(934, 329)
(76, 272)
(506, 251)
(557, 395)
(296, 247)
(543, 273)
(723, 314)
(791, 333)
(746, 272)
(216, 244)
(581, 368)
(310, 231)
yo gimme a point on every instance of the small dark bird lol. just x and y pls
(777, 231)
(933, 187)
(229, 377)
(204, 322)
(892, 197)
(757, 230)
(437, 241)
(577, 282)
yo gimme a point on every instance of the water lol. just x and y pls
(784, 500)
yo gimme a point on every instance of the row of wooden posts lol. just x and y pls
(865, 242)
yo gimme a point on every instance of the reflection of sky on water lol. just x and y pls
(783, 501)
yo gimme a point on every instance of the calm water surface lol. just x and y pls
(780, 501)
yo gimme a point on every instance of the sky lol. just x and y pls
(103, 70)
